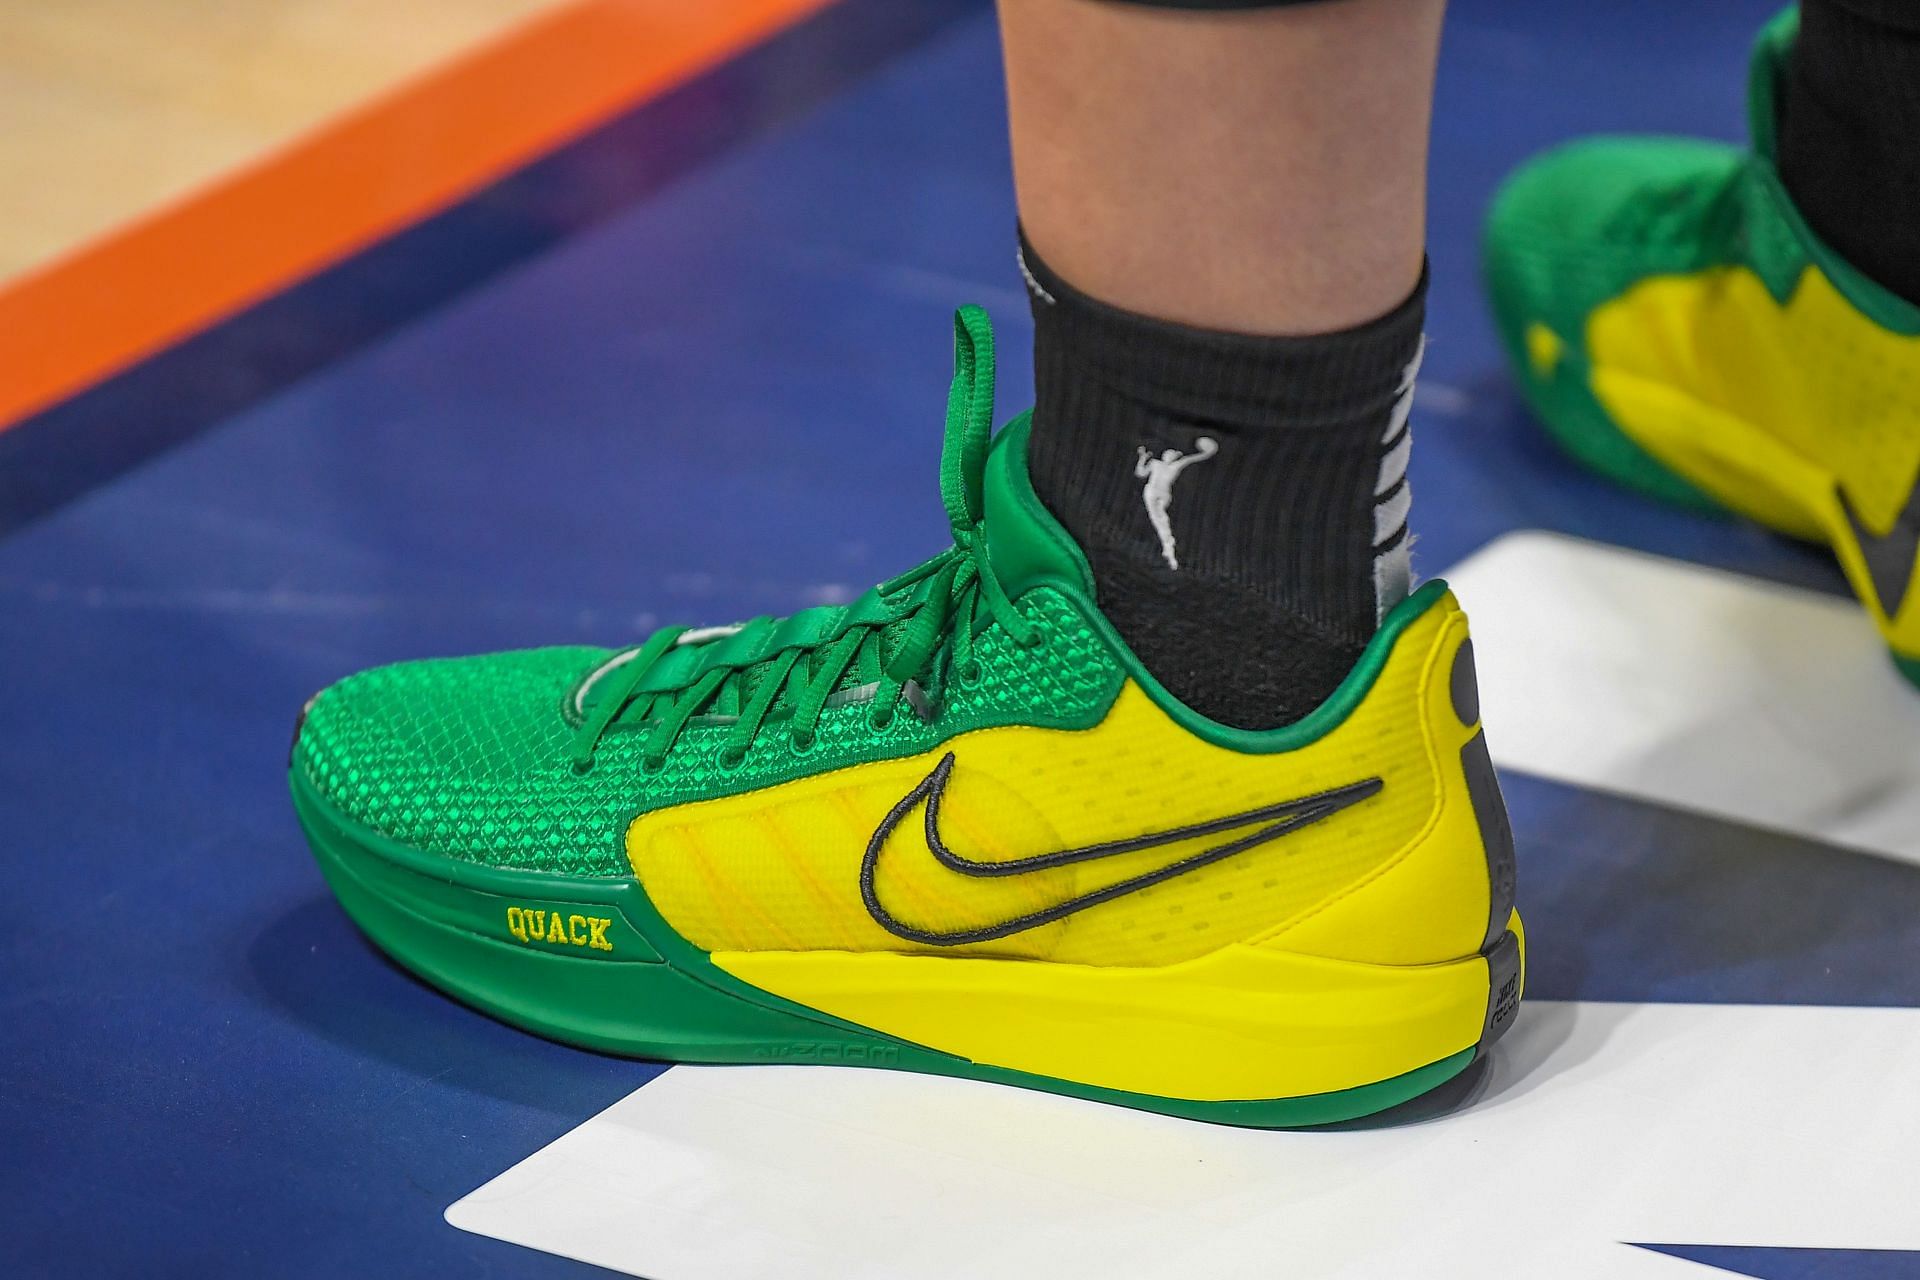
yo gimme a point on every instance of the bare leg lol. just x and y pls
(1258, 171)
(1224, 209)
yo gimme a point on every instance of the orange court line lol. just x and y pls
(380, 167)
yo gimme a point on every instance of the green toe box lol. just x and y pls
(1575, 228)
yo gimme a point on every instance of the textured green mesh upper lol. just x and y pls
(490, 759)
(1588, 220)
(468, 757)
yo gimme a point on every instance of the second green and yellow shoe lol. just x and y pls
(953, 827)
(1679, 328)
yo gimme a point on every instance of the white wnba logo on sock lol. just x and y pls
(1160, 473)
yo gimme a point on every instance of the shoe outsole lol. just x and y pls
(646, 992)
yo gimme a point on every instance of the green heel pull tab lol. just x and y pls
(1765, 68)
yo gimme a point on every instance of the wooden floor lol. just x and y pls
(113, 106)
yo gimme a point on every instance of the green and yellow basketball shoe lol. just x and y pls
(952, 827)
(1678, 328)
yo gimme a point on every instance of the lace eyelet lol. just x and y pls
(801, 743)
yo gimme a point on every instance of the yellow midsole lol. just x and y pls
(1244, 1022)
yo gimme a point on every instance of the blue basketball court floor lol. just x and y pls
(690, 367)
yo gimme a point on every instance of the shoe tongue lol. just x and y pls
(1025, 544)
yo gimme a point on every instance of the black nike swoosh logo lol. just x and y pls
(1281, 819)
(1889, 555)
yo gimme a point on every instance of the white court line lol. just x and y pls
(1600, 1123)
(1705, 690)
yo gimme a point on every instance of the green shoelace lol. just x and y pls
(898, 635)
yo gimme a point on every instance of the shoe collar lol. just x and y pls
(1029, 549)
(1027, 546)
(1766, 79)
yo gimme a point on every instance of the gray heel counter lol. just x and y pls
(1489, 806)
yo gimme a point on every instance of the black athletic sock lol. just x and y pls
(1284, 461)
(1850, 134)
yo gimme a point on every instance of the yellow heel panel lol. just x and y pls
(1430, 902)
